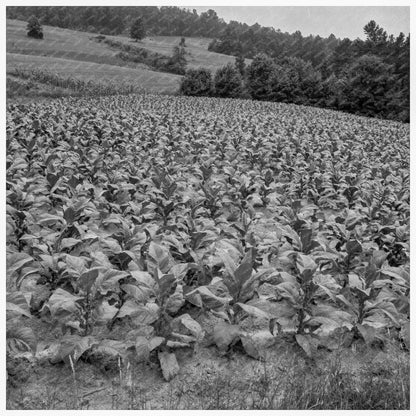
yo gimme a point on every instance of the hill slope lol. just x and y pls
(76, 54)
(197, 53)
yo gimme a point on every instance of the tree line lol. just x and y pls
(369, 77)
(115, 20)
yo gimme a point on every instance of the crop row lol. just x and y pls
(137, 212)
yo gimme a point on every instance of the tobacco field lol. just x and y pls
(132, 221)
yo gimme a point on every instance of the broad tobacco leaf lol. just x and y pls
(74, 346)
(283, 311)
(20, 339)
(254, 311)
(180, 270)
(385, 307)
(169, 365)
(256, 344)
(229, 262)
(110, 246)
(69, 243)
(291, 235)
(184, 324)
(104, 312)
(308, 244)
(241, 275)
(355, 281)
(50, 262)
(225, 334)
(340, 337)
(108, 281)
(368, 333)
(100, 260)
(330, 317)
(49, 219)
(397, 274)
(307, 343)
(290, 291)
(166, 282)
(17, 304)
(226, 253)
(18, 264)
(305, 263)
(139, 293)
(155, 342)
(143, 278)
(62, 303)
(140, 313)
(75, 265)
(158, 258)
(175, 301)
(88, 278)
(379, 257)
(142, 349)
(203, 296)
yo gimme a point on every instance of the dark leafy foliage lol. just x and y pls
(175, 64)
(137, 30)
(34, 29)
(197, 82)
(227, 82)
(133, 210)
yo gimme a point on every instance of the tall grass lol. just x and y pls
(80, 87)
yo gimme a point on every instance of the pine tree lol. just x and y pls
(374, 32)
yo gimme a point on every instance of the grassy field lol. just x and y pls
(196, 48)
(152, 80)
(70, 53)
(59, 43)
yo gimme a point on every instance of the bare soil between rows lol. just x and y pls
(210, 380)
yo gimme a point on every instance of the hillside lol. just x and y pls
(90, 71)
(71, 53)
(197, 53)
(232, 37)
(313, 71)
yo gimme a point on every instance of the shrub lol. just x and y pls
(227, 82)
(259, 73)
(197, 82)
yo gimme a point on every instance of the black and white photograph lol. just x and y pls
(207, 207)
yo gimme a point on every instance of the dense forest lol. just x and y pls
(369, 77)
(113, 20)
